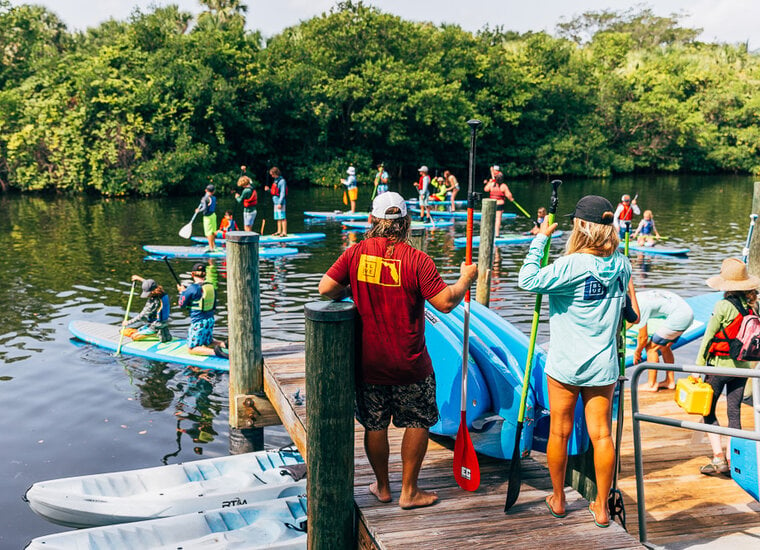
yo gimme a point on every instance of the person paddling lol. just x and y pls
(154, 315)
(389, 280)
(624, 213)
(249, 198)
(207, 207)
(200, 299)
(423, 188)
(451, 188)
(381, 181)
(646, 231)
(587, 290)
(279, 192)
(499, 191)
(352, 187)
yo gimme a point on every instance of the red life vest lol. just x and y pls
(496, 193)
(627, 214)
(252, 200)
(420, 183)
(720, 345)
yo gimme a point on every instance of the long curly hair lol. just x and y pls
(396, 230)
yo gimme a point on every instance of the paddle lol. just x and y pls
(515, 469)
(187, 229)
(521, 209)
(615, 502)
(745, 251)
(166, 259)
(466, 467)
(126, 316)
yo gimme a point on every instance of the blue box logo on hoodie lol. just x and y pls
(594, 290)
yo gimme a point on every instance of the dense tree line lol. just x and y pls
(165, 102)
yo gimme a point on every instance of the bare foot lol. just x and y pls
(647, 387)
(418, 500)
(665, 386)
(600, 514)
(559, 512)
(382, 496)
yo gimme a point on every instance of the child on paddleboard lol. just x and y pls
(739, 293)
(587, 290)
(207, 207)
(646, 231)
(228, 224)
(154, 314)
(200, 299)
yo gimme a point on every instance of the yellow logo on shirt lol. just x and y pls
(379, 271)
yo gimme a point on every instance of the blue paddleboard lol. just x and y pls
(271, 239)
(656, 249)
(502, 240)
(460, 214)
(416, 202)
(337, 215)
(107, 337)
(200, 251)
(745, 463)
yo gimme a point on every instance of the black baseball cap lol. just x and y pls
(593, 208)
(199, 268)
(210, 188)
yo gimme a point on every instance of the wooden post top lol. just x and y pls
(242, 237)
(329, 311)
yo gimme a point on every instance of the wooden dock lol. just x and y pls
(460, 518)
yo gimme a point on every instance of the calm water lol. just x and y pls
(72, 409)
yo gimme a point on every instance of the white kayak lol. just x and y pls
(163, 491)
(278, 523)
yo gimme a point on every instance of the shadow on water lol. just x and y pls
(75, 409)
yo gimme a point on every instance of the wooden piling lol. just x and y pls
(485, 251)
(329, 351)
(753, 263)
(246, 361)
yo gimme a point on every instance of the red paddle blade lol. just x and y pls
(466, 467)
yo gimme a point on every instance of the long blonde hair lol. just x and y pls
(592, 238)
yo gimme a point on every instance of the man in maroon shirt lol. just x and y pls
(389, 281)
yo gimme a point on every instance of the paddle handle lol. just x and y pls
(171, 269)
(521, 209)
(745, 250)
(126, 316)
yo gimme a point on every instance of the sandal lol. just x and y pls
(715, 466)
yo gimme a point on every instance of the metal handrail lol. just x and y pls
(638, 417)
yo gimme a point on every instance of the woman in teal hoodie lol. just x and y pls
(586, 288)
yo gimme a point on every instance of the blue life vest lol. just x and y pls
(163, 313)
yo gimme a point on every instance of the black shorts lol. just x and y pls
(500, 207)
(410, 405)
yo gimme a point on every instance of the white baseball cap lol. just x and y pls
(423, 169)
(496, 167)
(351, 171)
(387, 200)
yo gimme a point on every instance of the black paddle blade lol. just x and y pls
(515, 472)
(616, 507)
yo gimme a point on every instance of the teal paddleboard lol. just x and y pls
(201, 252)
(337, 215)
(460, 214)
(656, 249)
(271, 239)
(107, 337)
(502, 240)
(415, 225)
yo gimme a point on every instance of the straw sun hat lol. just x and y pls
(733, 276)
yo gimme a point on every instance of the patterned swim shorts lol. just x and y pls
(410, 405)
(200, 333)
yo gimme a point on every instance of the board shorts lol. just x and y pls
(500, 207)
(410, 405)
(249, 218)
(209, 224)
(200, 333)
(382, 188)
(279, 214)
(353, 193)
(424, 199)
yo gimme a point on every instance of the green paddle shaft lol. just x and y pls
(521, 209)
(126, 316)
(534, 330)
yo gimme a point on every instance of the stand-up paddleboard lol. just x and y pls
(460, 215)
(416, 202)
(745, 464)
(337, 215)
(275, 524)
(416, 225)
(271, 239)
(494, 434)
(199, 252)
(656, 249)
(107, 337)
(502, 240)
(163, 491)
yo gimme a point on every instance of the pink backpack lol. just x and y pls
(745, 346)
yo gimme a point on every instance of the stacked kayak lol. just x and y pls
(656, 249)
(502, 240)
(416, 225)
(337, 215)
(164, 491)
(275, 524)
(271, 239)
(175, 351)
(198, 252)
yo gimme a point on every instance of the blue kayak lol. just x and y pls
(502, 240)
(271, 239)
(656, 249)
(337, 215)
(201, 252)
(107, 337)
(415, 225)
(461, 214)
